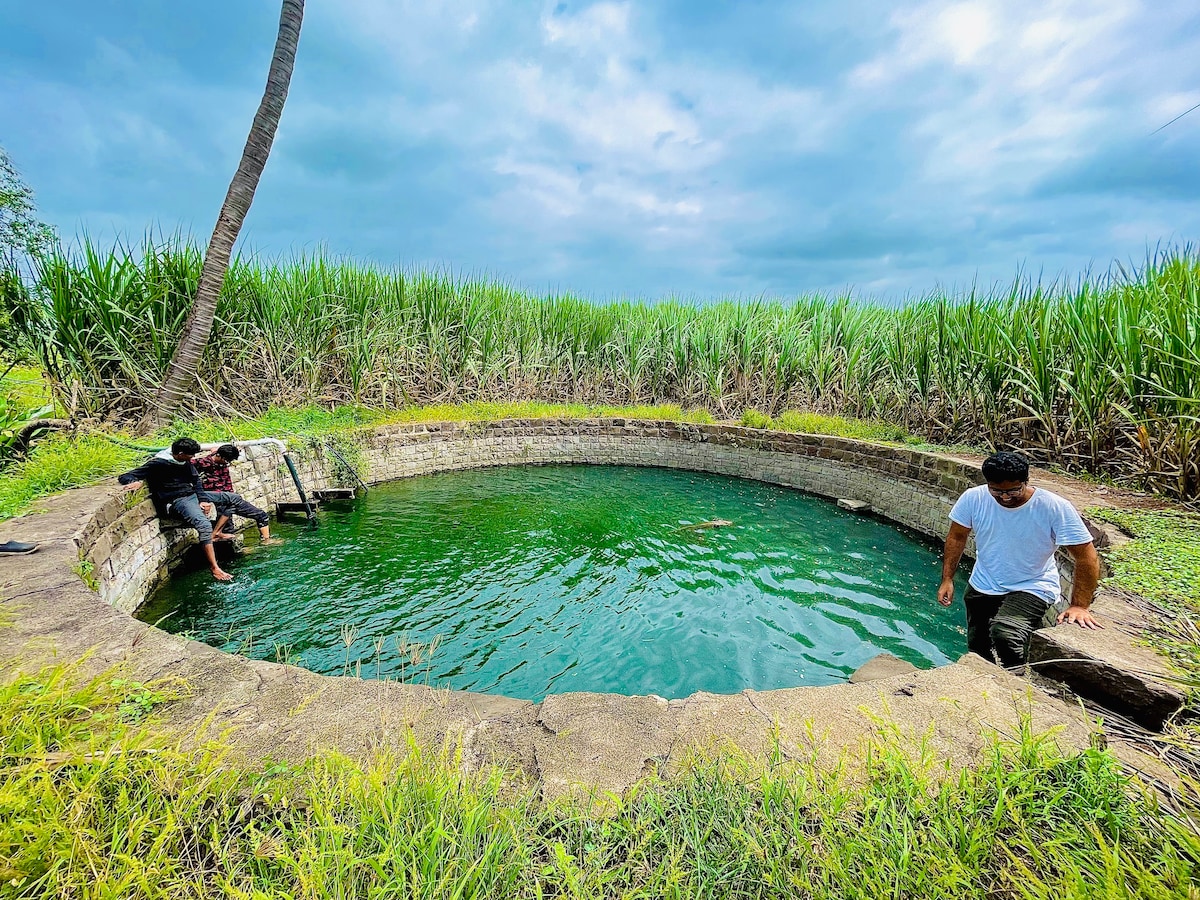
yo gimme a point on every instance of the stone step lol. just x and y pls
(325, 494)
(1112, 666)
(282, 508)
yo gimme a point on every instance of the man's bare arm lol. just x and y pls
(956, 545)
(1083, 586)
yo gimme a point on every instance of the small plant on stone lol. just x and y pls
(86, 570)
(377, 643)
(752, 418)
(139, 700)
(283, 654)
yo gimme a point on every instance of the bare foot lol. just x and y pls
(271, 541)
(221, 575)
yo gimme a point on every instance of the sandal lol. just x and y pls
(15, 548)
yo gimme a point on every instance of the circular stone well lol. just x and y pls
(102, 551)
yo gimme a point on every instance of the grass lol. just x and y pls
(24, 398)
(96, 803)
(24, 387)
(316, 421)
(1162, 562)
(816, 423)
(1100, 375)
(60, 462)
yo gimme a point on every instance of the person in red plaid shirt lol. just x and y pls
(214, 470)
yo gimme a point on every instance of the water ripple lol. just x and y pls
(563, 578)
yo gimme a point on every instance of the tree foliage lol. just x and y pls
(22, 237)
(22, 234)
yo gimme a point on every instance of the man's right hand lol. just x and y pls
(945, 594)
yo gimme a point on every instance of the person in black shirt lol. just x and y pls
(176, 489)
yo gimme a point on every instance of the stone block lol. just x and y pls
(885, 665)
(1109, 666)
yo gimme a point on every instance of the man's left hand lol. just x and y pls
(1080, 615)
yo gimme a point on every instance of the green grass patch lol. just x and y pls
(24, 387)
(93, 803)
(838, 426)
(315, 421)
(58, 463)
(24, 398)
(1162, 562)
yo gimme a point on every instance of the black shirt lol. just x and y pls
(167, 480)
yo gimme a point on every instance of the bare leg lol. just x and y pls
(218, 573)
(264, 534)
(218, 534)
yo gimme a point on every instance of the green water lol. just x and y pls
(539, 580)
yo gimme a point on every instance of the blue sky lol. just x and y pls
(641, 149)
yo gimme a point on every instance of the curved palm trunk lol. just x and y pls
(182, 371)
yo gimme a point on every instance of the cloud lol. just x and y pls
(619, 148)
(1136, 170)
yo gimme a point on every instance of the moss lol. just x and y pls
(86, 570)
(1162, 562)
(837, 426)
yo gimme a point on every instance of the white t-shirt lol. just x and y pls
(1015, 547)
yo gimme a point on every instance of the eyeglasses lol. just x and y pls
(1011, 492)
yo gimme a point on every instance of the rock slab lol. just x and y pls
(882, 666)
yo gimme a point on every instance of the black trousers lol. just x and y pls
(1001, 624)
(228, 503)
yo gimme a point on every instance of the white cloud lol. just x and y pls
(1013, 89)
(652, 145)
(588, 120)
(595, 28)
(963, 30)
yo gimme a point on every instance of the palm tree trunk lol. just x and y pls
(184, 364)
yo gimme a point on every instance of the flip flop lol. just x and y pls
(14, 548)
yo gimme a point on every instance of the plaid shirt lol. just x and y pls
(215, 472)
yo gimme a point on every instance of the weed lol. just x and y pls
(94, 804)
(137, 700)
(86, 570)
(1162, 562)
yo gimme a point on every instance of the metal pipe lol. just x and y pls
(254, 443)
(308, 510)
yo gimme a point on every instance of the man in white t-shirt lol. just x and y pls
(1015, 580)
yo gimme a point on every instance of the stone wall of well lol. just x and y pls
(910, 487)
(127, 551)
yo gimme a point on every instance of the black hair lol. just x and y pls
(228, 452)
(1005, 466)
(185, 445)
